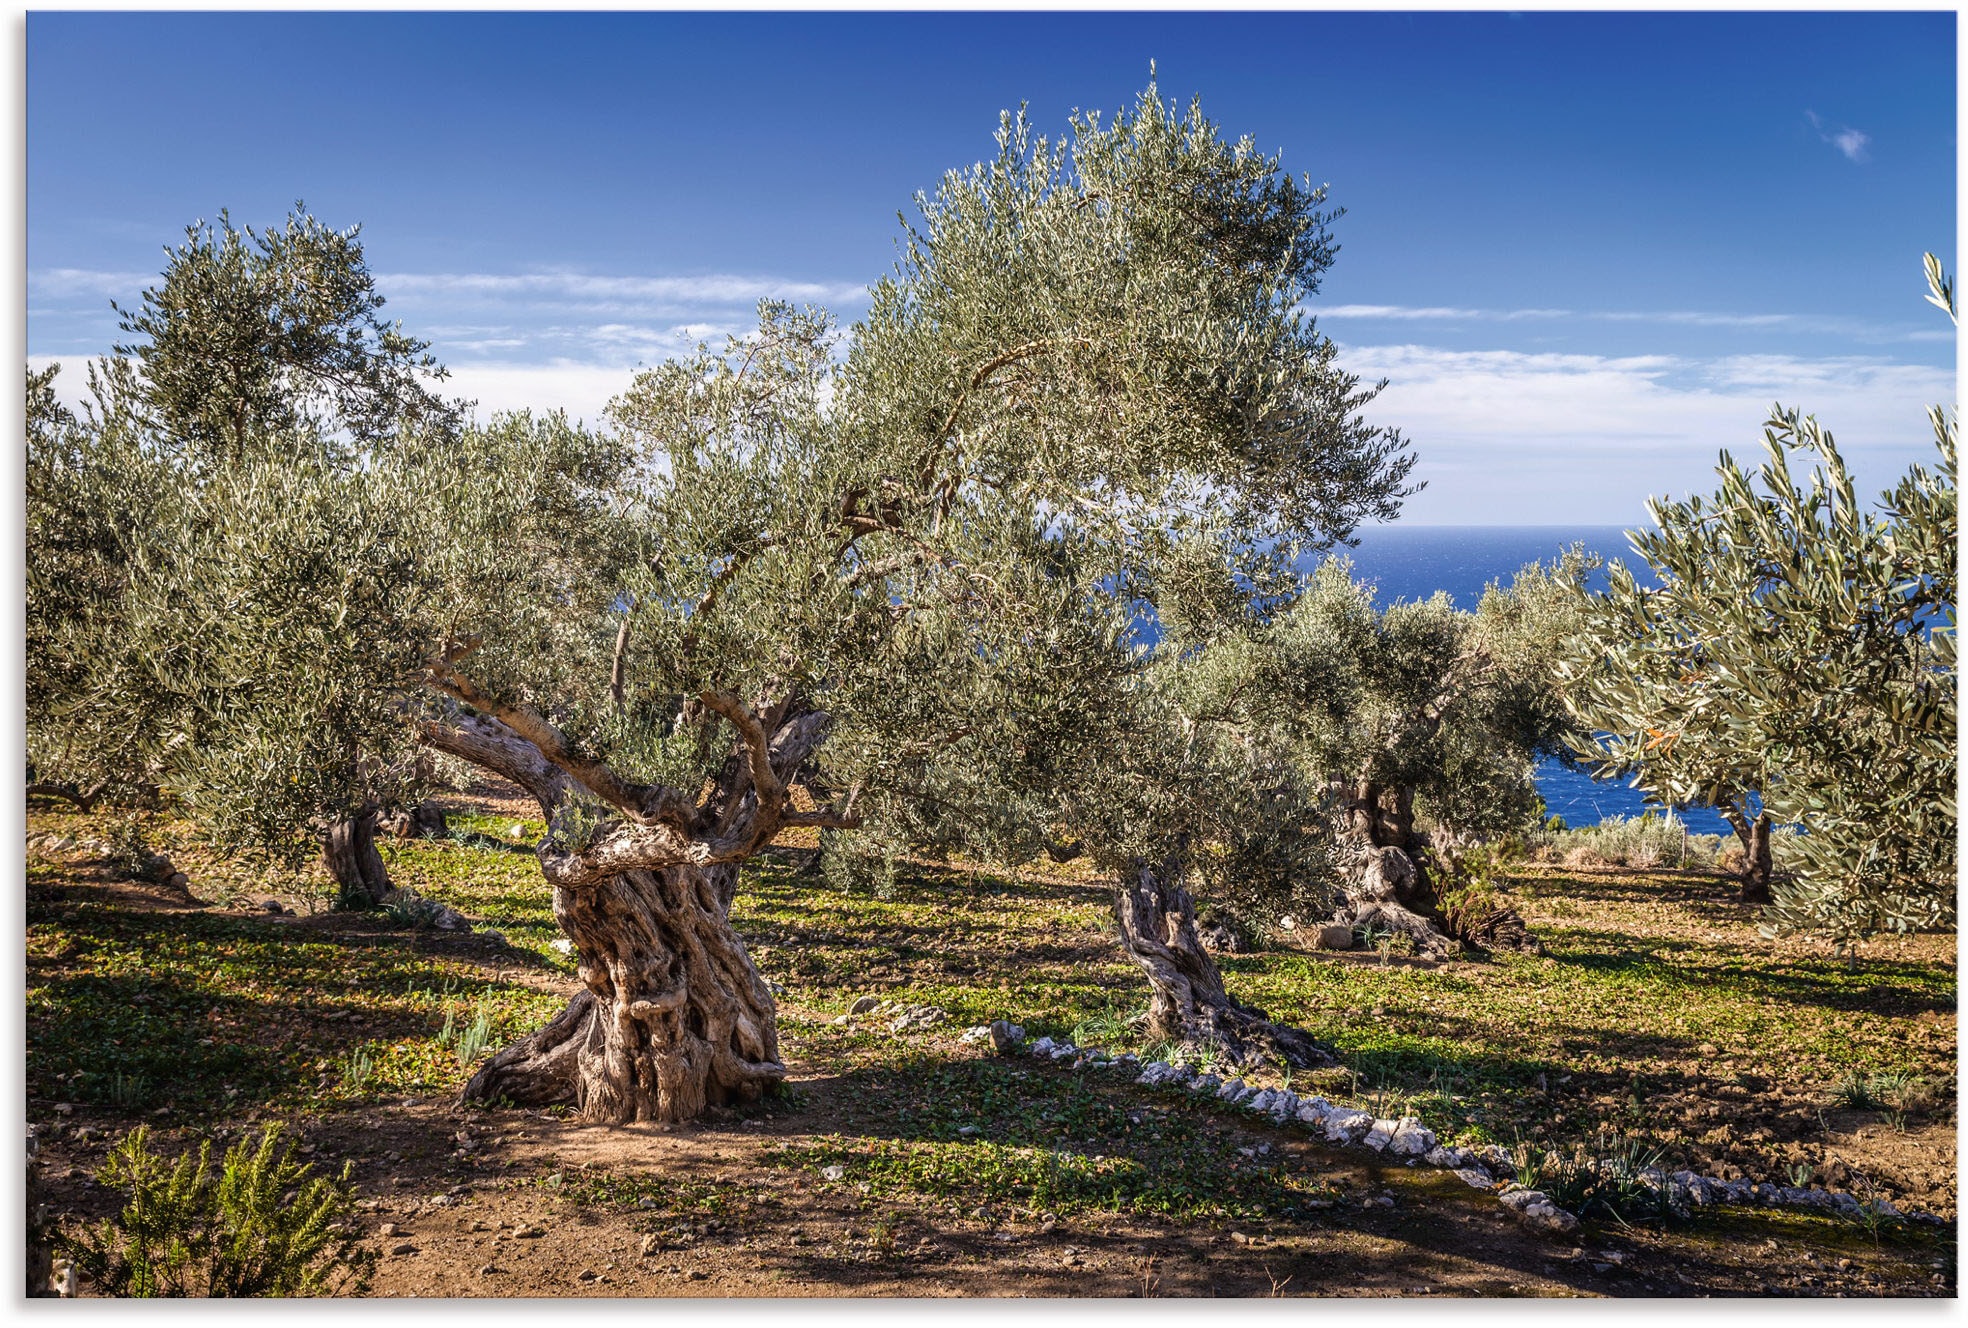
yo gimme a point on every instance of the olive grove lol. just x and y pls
(883, 584)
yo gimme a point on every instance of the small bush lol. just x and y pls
(1613, 1184)
(408, 910)
(262, 1227)
(1648, 840)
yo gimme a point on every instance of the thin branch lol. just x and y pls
(617, 676)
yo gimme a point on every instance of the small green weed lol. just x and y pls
(414, 911)
(358, 1068)
(1864, 1090)
(473, 1041)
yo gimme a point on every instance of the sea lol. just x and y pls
(1413, 562)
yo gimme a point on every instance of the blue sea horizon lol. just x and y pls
(1414, 562)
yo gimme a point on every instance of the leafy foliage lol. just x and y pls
(1803, 648)
(253, 336)
(263, 1226)
(1420, 705)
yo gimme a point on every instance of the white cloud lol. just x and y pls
(582, 390)
(1667, 317)
(1508, 437)
(60, 281)
(586, 288)
(1850, 141)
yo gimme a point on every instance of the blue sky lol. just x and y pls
(1588, 250)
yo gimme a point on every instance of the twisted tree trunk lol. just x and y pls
(349, 853)
(674, 1020)
(1157, 921)
(1758, 861)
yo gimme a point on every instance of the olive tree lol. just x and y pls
(1418, 712)
(257, 353)
(1801, 647)
(884, 585)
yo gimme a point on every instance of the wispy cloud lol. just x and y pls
(57, 282)
(1435, 312)
(1508, 436)
(537, 318)
(585, 287)
(1815, 323)
(1852, 142)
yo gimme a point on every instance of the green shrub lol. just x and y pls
(262, 1227)
(1651, 839)
(408, 910)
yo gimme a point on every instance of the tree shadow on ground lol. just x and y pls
(204, 1010)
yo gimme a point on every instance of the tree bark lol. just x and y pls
(674, 1018)
(84, 799)
(1157, 921)
(349, 853)
(1758, 861)
(1379, 889)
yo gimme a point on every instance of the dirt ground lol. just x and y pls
(472, 1202)
(466, 1202)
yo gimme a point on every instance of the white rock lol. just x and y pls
(1345, 1126)
(832, 1173)
(1381, 1134)
(1259, 1101)
(863, 1005)
(981, 1033)
(1205, 1083)
(562, 945)
(1310, 1114)
(1411, 1138)
(1474, 1177)
(1042, 1047)
(1230, 1090)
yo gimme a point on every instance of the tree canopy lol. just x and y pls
(1801, 647)
(881, 584)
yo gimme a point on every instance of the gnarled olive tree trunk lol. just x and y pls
(1157, 921)
(349, 853)
(673, 1019)
(1759, 863)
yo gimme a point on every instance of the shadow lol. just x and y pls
(132, 1008)
(1894, 986)
(941, 1168)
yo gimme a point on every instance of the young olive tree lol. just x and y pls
(1801, 647)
